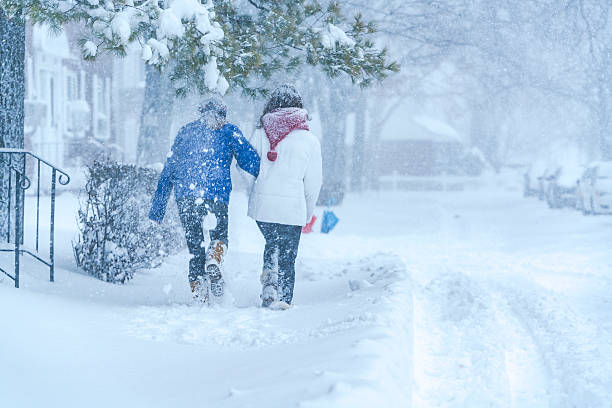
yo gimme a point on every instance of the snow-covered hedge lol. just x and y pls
(473, 162)
(116, 237)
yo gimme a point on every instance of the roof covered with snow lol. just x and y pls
(406, 122)
(402, 128)
(438, 127)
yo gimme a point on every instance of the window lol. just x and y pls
(100, 94)
(52, 100)
(72, 87)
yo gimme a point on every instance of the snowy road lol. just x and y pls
(512, 306)
(467, 299)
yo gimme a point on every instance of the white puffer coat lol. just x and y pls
(286, 190)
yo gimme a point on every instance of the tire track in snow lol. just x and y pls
(529, 376)
(547, 294)
(471, 350)
(536, 283)
(580, 375)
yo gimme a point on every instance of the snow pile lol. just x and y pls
(386, 380)
(445, 309)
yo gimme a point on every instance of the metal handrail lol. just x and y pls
(40, 159)
(17, 171)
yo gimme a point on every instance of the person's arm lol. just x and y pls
(166, 182)
(245, 154)
(249, 180)
(313, 178)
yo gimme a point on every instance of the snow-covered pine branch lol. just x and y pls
(158, 28)
(283, 35)
(212, 46)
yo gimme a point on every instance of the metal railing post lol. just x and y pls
(10, 197)
(22, 190)
(17, 226)
(17, 169)
(52, 234)
(37, 201)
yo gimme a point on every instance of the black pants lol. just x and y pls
(281, 249)
(191, 213)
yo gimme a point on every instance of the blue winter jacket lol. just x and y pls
(199, 165)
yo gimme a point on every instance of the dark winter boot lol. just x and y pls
(269, 287)
(214, 259)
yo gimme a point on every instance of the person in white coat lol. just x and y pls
(283, 196)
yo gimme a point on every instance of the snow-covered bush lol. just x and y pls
(116, 238)
(473, 162)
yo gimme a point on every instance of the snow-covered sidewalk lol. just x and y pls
(81, 342)
(458, 299)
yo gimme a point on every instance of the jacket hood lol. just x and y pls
(279, 123)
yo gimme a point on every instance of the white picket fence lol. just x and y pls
(398, 182)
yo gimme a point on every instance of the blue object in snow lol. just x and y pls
(329, 221)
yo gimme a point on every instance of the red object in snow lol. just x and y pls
(307, 229)
(279, 123)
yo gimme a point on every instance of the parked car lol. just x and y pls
(545, 179)
(531, 183)
(562, 187)
(594, 192)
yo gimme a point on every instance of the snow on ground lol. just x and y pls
(462, 299)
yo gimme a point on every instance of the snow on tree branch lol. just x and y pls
(211, 46)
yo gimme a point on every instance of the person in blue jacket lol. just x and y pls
(198, 169)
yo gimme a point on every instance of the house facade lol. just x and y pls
(418, 146)
(74, 109)
(128, 84)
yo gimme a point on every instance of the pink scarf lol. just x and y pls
(279, 123)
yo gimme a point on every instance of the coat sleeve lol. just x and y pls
(246, 156)
(248, 178)
(166, 182)
(313, 178)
